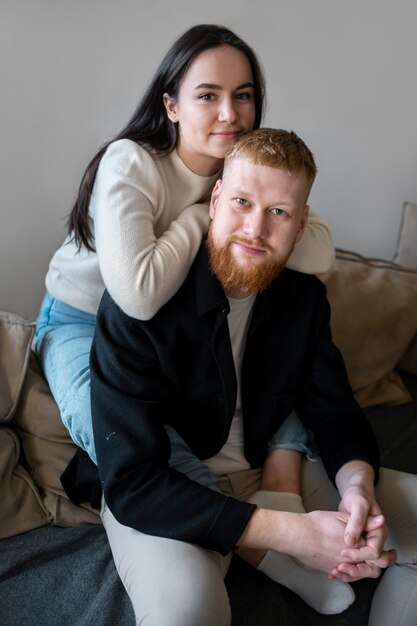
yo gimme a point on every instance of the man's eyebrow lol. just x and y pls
(240, 192)
(214, 86)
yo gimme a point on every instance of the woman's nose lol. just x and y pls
(227, 111)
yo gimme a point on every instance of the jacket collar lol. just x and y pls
(209, 292)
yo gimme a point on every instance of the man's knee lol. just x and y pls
(201, 603)
(169, 582)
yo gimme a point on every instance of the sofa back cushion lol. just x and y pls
(406, 253)
(21, 507)
(374, 324)
(48, 448)
(16, 336)
(35, 447)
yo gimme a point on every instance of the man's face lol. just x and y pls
(258, 214)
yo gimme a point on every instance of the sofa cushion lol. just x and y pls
(21, 507)
(48, 448)
(16, 336)
(408, 362)
(374, 323)
(406, 253)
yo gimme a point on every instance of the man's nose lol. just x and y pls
(255, 226)
(227, 111)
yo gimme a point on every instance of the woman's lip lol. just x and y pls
(229, 133)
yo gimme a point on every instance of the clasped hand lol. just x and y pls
(365, 536)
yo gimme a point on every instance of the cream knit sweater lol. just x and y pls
(148, 216)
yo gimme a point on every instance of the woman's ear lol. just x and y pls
(169, 104)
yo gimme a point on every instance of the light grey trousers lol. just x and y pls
(171, 582)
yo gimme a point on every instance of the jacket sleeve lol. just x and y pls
(328, 406)
(130, 401)
(314, 253)
(140, 270)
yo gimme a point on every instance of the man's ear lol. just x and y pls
(169, 104)
(214, 197)
(303, 223)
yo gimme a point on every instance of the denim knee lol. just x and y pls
(293, 435)
(63, 343)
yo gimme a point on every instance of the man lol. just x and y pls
(198, 391)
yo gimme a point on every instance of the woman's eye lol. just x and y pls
(207, 97)
(243, 96)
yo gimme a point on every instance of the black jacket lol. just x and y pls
(178, 369)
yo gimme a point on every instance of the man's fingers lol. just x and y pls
(387, 558)
(349, 572)
(354, 529)
(369, 553)
(359, 555)
(373, 522)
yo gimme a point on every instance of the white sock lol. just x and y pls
(325, 596)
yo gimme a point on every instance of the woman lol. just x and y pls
(141, 210)
(139, 217)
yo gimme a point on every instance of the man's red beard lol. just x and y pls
(232, 276)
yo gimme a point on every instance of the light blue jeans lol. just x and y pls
(63, 341)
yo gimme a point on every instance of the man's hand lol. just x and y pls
(365, 532)
(316, 539)
(348, 544)
(364, 519)
(357, 569)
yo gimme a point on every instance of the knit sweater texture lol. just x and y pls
(148, 215)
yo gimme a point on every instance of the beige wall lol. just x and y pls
(342, 74)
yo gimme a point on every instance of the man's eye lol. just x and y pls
(241, 201)
(277, 211)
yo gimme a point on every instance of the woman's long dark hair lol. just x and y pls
(149, 124)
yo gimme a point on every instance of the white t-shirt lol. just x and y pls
(231, 457)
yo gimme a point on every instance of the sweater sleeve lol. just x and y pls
(140, 270)
(314, 253)
(130, 404)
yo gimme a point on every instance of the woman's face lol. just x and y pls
(215, 104)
